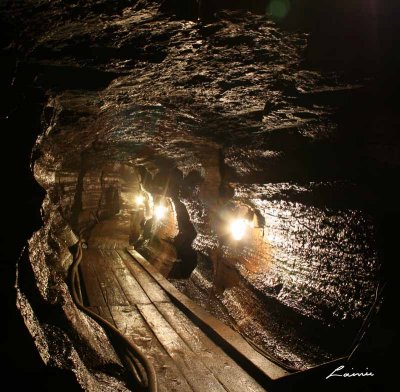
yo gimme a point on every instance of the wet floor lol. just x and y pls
(117, 287)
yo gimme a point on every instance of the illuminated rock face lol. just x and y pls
(206, 120)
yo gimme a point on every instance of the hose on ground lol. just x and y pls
(141, 371)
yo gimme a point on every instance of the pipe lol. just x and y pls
(131, 356)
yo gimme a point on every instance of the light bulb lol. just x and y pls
(159, 211)
(238, 228)
(139, 200)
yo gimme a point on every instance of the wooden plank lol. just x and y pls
(90, 281)
(109, 285)
(114, 258)
(246, 354)
(132, 289)
(104, 312)
(149, 285)
(130, 322)
(196, 374)
(221, 365)
(111, 233)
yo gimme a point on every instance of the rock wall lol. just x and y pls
(64, 336)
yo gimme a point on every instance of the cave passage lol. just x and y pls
(226, 171)
(116, 286)
(130, 211)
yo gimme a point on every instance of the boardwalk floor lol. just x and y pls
(119, 289)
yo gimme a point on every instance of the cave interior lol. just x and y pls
(226, 170)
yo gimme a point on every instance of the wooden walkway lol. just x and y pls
(119, 289)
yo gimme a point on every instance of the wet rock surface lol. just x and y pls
(210, 118)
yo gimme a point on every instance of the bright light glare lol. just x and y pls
(238, 228)
(159, 211)
(139, 200)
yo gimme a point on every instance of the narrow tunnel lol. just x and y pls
(218, 193)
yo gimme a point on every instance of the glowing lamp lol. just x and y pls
(159, 212)
(139, 200)
(238, 228)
